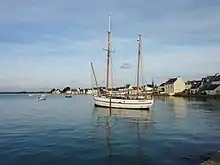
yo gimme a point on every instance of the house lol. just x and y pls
(161, 88)
(91, 91)
(216, 80)
(207, 82)
(174, 85)
(213, 90)
(74, 91)
(69, 92)
(56, 91)
(148, 88)
(189, 84)
(192, 87)
(195, 88)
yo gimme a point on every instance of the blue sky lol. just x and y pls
(50, 43)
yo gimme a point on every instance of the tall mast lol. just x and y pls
(108, 52)
(139, 55)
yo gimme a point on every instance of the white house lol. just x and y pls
(92, 91)
(216, 80)
(213, 90)
(161, 88)
(195, 88)
(148, 87)
(192, 87)
(174, 85)
(69, 92)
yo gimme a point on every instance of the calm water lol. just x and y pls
(71, 131)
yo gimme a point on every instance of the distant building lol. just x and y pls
(91, 91)
(195, 88)
(174, 85)
(161, 88)
(68, 92)
(192, 87)
(149, 88)
(58, 91)
(213, 90)
(189, 84)
(74, 91)
(207, 82)
(216, 80)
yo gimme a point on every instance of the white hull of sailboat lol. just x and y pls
(123, 103)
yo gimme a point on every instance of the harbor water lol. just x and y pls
(67, 131)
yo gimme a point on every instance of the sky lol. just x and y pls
(48, 44)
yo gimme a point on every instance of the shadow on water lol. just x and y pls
(138, 119)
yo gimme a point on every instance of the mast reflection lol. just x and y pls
(138, 119)
(108, 135)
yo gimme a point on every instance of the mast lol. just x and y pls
(93, 71)
(108, 52)
(139, 55)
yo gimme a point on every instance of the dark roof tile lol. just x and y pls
(171, 81)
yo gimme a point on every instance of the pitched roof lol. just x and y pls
(171, 81)
(217, 78)
(208, 78)
(212, 87)
(162, 84)
(195, 86)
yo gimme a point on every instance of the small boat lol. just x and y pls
(42, 97)
(68, 96)
(30, 95)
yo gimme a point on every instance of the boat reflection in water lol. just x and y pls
(134, 115)
(108, 117)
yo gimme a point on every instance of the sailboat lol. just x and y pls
(42, 97)
(125, 100)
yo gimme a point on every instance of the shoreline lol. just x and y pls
(189, 96)
(214, 97)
